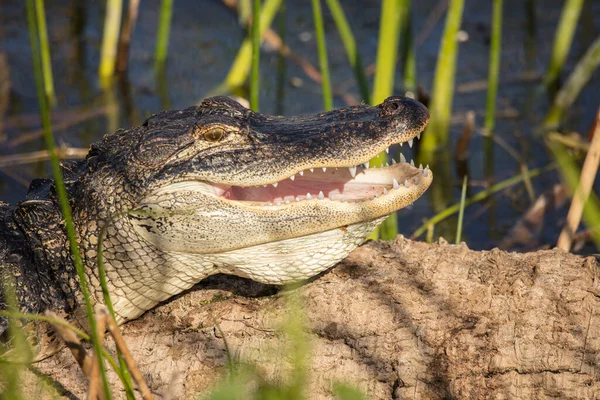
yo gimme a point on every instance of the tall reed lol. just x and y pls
(440, 108)
(255, 69)
(322, 50)
(567, 94)
(61, 190)
(393, 13)
(45, 51)
(494, 67)
(354, 58)
(162, 36)
(239, 70)
(110, 41)
(562, 40)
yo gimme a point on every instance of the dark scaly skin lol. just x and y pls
(125, 170)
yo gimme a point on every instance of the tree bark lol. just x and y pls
(397, 320)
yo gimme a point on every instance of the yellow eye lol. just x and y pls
(214, 134)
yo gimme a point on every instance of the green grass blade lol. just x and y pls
(579, 77)
(571, 175)
(461, 210)
(410, 59)
(238, 73)
(255, 70)
(440, 107)
(281, 62)
(481, 196)
(45, 51)
(393, 14)
(61, 190)
(322, 50)
(494, 67)
(110, 41)
(562, 40)
(162, 36)
(337, 12)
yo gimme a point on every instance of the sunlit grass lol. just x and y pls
(255, 69)
(562, 40)
(110, 40)
(162, 34)
(322, 51)
(354, 58)
(581, 75)
(393, 14)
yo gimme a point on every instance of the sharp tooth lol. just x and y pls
(366, 165)
(401, 144)
(330, 196)
(393, 161)
(419, 135)
(412, 163)
(396, 186)
(287, 202)
(293, 177)
(410, 143)
(416, 179)
(387, 164)
(376, 196)
(321, 195)
(297, 198)
(385, 191)
(277, 202)
(301, 173)
(402, 158)
(312, 170)
(324, 169)
(275, 184)
(387, 150)
(421, 167)
(426, 172)
(308, 196)
(406, 184)
(352, 171)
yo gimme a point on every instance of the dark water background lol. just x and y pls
(205, 37)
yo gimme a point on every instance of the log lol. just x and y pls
(398, 320)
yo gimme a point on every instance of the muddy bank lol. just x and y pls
(398, 320)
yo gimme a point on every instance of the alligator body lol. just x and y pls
(211, 189)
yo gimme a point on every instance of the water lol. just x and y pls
(205, 37)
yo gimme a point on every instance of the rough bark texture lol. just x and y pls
(398, 320)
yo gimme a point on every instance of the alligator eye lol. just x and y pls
(214, 134)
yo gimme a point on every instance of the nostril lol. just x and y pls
(394, 105)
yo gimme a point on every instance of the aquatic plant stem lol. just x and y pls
(322, 50)
(62, 193)
(110, 41)
(494, 67)
(582, 193)
(337, 12)
(238, 73)
(478, 197)
(162, 36)
(45, 52)
(255, 69)
(461, 210)
(562, 40)
(567, 94)
(440, 108)
(393, 12)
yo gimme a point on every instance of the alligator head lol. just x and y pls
(219, 188)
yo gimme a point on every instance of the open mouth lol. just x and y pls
(345, 184)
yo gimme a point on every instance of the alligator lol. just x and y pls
(214, 188)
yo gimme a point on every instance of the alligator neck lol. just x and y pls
(34, 257)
